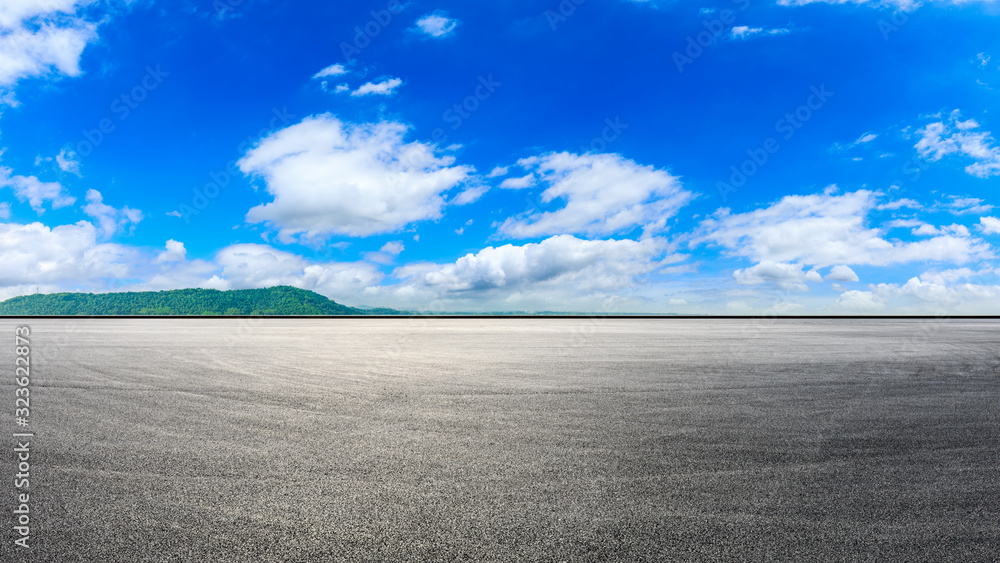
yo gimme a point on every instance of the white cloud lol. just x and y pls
(965, 205)
(68, 256)
(245, 266)
(548, 273)
(866, 138)
(842, 273)
(39, 38)
(109, 219)
(468, 195)
(34, 191)
(938, 292)
(951, 276)
(943, 138)
(68, 161)
(393, 247)
(384, 88)
(898, 204)
(498, 171)
(436, 25)
(175, 252)
(327, 177)
(519, 183)
(785, 276)
(826, 230)
(743, 32)
(989, 225)
(859, 302)
(903, 5)
(604, 193)
(332, 70)
(902, 223)
(930, 230)
(387, 254)
(4, 210)
(677, 302)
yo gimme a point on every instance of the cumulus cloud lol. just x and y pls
(68, 256)
(436, 25)
(559, 267)
(603, 194)
(68, 161)
(328, 177)
(72, 258)
(859, 302)
(744, 32)
(989, 225)
(940, 292)
(34, 191)
(926, 229)
(109, 219)
(842, 273)
(175, 252)
(387, 253)
(955, 137)
(786, 276)
(40, 38)
(519, 182)
(386, 87)
(246, 266)
(825, 230)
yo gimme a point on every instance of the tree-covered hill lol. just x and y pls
(281, 300)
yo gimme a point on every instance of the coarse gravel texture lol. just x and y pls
(509, 440)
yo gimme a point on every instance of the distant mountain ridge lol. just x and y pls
(279, 300)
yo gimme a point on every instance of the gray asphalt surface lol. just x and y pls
(509, 440)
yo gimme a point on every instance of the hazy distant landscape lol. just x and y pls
(512, 440)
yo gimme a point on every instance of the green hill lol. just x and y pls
(281, 300)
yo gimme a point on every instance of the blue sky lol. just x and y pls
(748, 157)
